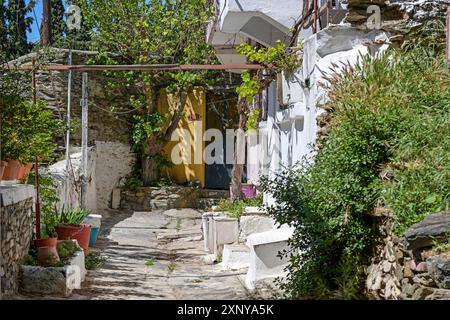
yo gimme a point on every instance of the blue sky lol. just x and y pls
(34, 34)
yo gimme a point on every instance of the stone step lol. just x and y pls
(216, 194)
(205, 203)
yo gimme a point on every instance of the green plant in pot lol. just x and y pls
(49, 236)
(71, 226)
(27, 135)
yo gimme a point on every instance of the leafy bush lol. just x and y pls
(27, 130)
(386, 147)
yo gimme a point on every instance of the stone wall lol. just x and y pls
(108, 163)
(154, 198)
(52, 88)
(114, 161)
(109, 134)
(15, 235)
(409, 268)
(396, 15)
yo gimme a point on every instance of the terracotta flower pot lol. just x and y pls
(3, 165)
(47, 256)
(12, 170)
(48, 242)
(25, 171)
(81, 233)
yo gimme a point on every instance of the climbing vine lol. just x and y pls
(276, 59)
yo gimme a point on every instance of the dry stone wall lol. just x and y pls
(154, 198)
(16, 233)
(409, 268)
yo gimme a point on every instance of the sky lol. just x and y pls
(34, 34)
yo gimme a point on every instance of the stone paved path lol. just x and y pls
(171, 243)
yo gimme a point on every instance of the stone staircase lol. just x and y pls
(208, 198)
(172, 197)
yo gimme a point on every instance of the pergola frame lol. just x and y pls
(84, 100)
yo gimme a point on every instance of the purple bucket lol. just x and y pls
(249, 190)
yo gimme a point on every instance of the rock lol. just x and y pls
(407, 270)
(408, 288)
(424, 280)
(439, 270)
(374, 278)
(421, 267)
(439, 294)
(386, 265)
(422, 292)
(209, 259)
(391, 290)
(433, 227)
(390, 253)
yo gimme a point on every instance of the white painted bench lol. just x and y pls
(265, 263)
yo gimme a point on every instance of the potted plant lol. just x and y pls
(49, 237)
(70, 226)
(27, 134)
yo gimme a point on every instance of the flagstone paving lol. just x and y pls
(157, 255)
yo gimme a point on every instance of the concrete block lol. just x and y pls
(218, 229)
(250, 224)
(254, 211)
(265, 262)
(115, 198)
(225, 231)
(54, 280)
(235, 256)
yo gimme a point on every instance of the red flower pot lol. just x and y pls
(47, 256)
(81, 233)
(12, 170)
(25, 171)
(48, 242)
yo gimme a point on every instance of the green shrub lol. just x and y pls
(236, 208)
(388, 147)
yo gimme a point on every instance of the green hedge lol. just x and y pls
(388, 146)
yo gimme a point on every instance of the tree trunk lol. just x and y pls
(239, 152)
(156, 143)
(150, 172)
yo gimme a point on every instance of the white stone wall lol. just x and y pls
(57, 172)
(291, 131)
(114, 160)
(108, 162)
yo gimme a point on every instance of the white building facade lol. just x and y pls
(288, 128)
